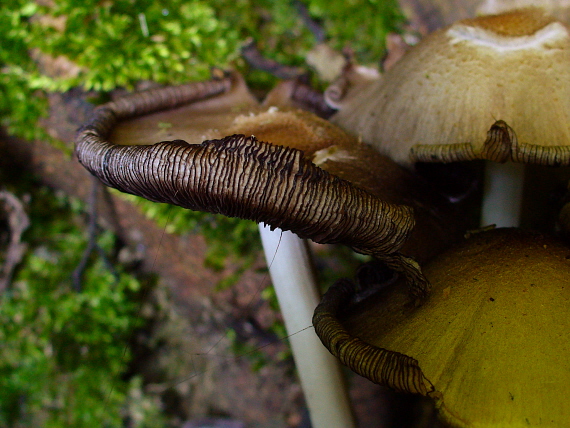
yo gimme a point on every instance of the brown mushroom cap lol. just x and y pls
(278, 120)
(492, 340)
(236, 111)
(509, 70)
(243, 177)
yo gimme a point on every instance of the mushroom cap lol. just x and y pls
(292, 128)
(493, 338)
(509, 70)
(235, 111)
(193, 122)
(240, 176)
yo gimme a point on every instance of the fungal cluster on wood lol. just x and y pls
(449, 99)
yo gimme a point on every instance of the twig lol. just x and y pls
(254, 58)
(18, 222)
(93, 232)
(313, 25)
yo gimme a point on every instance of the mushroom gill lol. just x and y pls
(490, 344)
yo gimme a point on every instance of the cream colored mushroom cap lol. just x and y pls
(494, 336)
(457, 82)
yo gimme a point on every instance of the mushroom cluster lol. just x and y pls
(274, 183)
(493, 87)
(274, 163)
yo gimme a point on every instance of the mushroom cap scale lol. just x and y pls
(493, 338)
(457, 82)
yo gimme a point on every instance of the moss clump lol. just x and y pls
(360, 24)
(63, 353)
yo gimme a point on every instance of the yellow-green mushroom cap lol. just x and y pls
(440, 101)
(492, 341)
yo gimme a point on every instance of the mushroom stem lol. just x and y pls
(298, 295)
(502, 195)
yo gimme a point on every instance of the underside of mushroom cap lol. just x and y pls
(458, 82)
(492, 338)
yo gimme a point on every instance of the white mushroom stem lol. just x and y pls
(319, 372)
(502, 194)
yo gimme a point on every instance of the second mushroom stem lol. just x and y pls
(502, 195)
(319, 372)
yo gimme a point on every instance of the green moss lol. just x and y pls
(64, 353)
(109, 44)
(360, 24)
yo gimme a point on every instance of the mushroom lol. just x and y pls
(489, 345)
(493, 87)
(439, 223)
(280, 120)
(243, 177)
